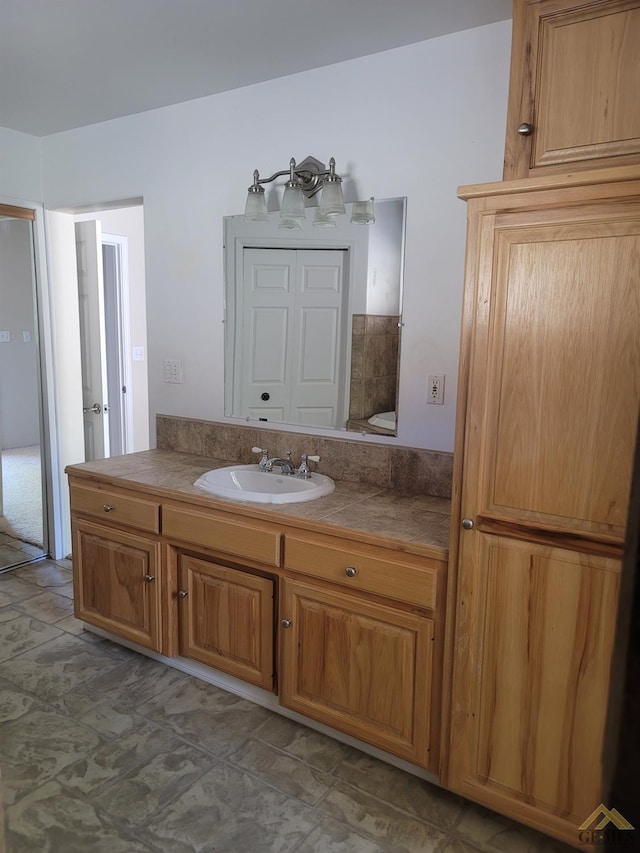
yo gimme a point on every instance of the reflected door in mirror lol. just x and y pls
(291, 337)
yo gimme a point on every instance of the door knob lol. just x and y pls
(351, 571)
(525, 129)
(286, 623)
(467, 523)
(182, 593)
(96, 409)
(149, 578)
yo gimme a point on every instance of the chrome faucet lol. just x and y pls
(286, 465)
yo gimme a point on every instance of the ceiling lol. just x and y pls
(69, 63)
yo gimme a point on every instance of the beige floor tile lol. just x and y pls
(286, 773)
(383, 823)
(496, 834)
(52, 820)
(229, 811)
(47, 607)
(334, 837)
(316, 749)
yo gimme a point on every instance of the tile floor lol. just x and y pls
(14, 551)
(103, 750)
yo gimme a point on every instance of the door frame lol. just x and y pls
(118, 340)
(52, 530)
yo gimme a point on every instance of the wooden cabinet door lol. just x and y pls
(575, 77)
(551, 407)
(537, 625)
(360, 667)
(226, 619)
(117, 582)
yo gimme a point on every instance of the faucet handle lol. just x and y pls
(264, 457)
(314, 458)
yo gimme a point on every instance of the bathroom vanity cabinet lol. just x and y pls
(548, 410)
(345, 631)
(117, 565)
(575, 77)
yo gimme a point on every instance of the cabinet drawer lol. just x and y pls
(248, 540)
(398, 576)
(115, 507)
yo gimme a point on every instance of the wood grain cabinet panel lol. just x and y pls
(400, 577)
(226, 619)
(575, 77)
(117, 580)
(237, 536)
(360, 667)
(112, 506)
(548, 406)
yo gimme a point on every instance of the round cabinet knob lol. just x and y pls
(149, 578)
(525, 129)
(351, 571)
(182, 593)
(467, 523)
(107, 507)
(286, 623)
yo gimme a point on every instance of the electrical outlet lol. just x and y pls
(5, 337)
(435, 389)
(173, 371)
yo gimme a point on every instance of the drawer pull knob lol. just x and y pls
(182, 593)
(351, 571)
(107, 507)
(467, 523)
(286, 623)
(149, 578)
(525, 129)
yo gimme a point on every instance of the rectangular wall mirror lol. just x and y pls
(313, 320)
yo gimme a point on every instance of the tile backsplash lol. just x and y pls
(407, 470)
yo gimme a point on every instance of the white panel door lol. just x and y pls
(92, 339)
(317, 338)
(291, 336)
(268, 300)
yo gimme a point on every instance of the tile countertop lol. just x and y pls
(416, 524)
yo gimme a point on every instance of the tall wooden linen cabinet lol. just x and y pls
(548, 407)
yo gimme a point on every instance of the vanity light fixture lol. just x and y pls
(362, 212)
(305, 179)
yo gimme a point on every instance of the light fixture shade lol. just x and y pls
(362, 212)
(256, 207)
(292, 206)
(291, 224)
(332, 202)
(321, 220)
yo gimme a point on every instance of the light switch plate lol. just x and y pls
(5, 337)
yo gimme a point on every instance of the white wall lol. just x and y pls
(20, 167)
(416, 122)
(129, 222)
(19, 381)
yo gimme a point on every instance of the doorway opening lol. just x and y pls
(112, 314)
(24, 533)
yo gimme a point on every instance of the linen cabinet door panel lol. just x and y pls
(226, 619)
(531, 692)
(575, 77)
(362, 668)
(117, 582)
(556, 371)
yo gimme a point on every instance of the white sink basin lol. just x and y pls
(248, 483)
